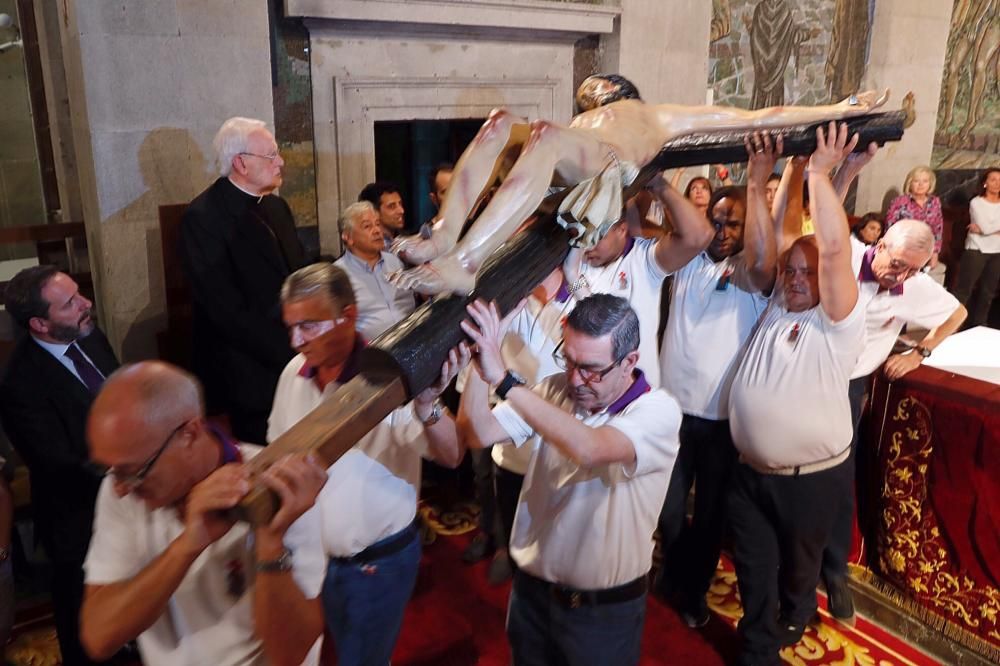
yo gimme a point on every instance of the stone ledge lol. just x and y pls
(572, 17)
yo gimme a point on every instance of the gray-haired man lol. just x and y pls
(380, 304)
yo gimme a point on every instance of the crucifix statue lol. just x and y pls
(602, 159)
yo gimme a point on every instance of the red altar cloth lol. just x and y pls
(934, 501)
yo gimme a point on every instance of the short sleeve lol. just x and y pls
(113, 555)
(304, 540)
(550, 389)
(651, 268)
(931, 303)
(651, 423)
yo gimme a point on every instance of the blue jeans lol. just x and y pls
(364, 604)
(544, 632)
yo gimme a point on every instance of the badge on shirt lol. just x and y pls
(793, 335)
(622, 280)
(888, 322)
(724, 280)
(236, 580)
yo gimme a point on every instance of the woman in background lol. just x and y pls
(869, 229)
(980, 263)
(919, 203)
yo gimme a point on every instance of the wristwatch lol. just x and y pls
(437, 411)
(923, 351)
(281, 564)
(509, 381)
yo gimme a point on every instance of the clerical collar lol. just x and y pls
(639, 386)
(866, 274)
(258, 197)
(351, 367)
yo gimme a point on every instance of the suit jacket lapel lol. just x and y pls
(55, 373)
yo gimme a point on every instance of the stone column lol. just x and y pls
(148, 84)
(662, 47)
(909, 40)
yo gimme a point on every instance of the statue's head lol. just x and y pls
(601, 89)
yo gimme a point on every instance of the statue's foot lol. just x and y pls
(418, 249)
(445, 274)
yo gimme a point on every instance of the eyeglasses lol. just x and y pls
(792, 271)
(134, 480)
(301, 332)
(270, 158)
(587, 375)
(898, 266)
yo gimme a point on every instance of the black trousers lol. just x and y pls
(839, 548)
(482, 475)
(508, 491)
(977, 269)
(67, 598)
(780, 525)
(691, 552)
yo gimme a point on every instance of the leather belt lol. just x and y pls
(798, 470)
(390, 545)
(569, 597)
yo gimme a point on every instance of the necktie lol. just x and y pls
(90, 375)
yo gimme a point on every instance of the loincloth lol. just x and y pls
(595, 205)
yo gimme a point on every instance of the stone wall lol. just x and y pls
(149, 84)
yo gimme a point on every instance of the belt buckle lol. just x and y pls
(575, 600)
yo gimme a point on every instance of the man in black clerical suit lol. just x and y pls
(238, 244)
(45, 394)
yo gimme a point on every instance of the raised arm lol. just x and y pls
(445, 445)
(692, 232)
(786, 211)
(850, 169)
(588, 447)
(759, 249)
(838, 286)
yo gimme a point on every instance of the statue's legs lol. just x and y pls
(953, 76)
(476, 169)
(576, 155)
(986, 48)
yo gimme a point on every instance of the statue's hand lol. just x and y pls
(417, 249)
(864, 102)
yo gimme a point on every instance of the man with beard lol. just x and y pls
(46, 392)
(716, 299)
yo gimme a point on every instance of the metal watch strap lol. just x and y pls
(281, 564)
(509, 381)
(437, 411)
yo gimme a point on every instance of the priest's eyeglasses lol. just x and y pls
(270, 158)
(587, 375)
(134, 480)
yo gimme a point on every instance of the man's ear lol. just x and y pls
(38, 325)
(238, 165)
(630, 360)
(350, 311)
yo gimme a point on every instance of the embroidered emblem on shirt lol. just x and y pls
(724, 280)
(793, 335)
(622, 280)
(236, 580)
(369, 569)
(888, 322)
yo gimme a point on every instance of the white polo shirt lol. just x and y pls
(209, 618)
(986, 216)
(788, 404)
(919, 301)
(636, 277)
(371, 491)
(713, 309)
(527, 349)
(592, 529)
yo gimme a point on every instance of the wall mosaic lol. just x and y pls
(968, 127)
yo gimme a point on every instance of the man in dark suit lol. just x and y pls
(45, 394)
(238, 244)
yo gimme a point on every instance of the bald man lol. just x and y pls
(166, 566)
